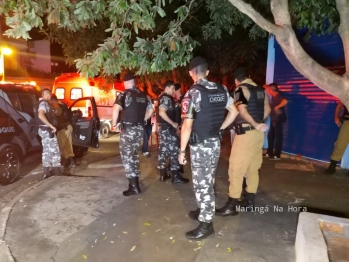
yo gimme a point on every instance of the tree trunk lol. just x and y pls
(330, 82)
(174, 75)
(149, 87)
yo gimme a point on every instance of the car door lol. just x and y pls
(85, 122)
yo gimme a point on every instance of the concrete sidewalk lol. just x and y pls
(86, 217)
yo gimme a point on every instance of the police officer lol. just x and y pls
(64, 132)
(168, 139)
(246, 153)
(136, 108)
(342, 139)
(203, 111)
(51, 156)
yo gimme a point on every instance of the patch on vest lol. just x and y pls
(185, 106)
(140, 100)
(216, 98)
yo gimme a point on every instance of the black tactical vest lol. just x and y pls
(64, 118)
(171, 113)
(50, 114)
(255, 105)
(134, 106)
(212, 111)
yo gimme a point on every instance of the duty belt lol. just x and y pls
(45, 128)
(248, 128)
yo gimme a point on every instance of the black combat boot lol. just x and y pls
(178, 179)
(69, 162)
(203, 230)
(194, 214)
(56, 170)
(244, 184)
(331, 168)
(248, 203)
(133, 187)
(229, 209)
(163, 175)
(181, 169)
(46, 173)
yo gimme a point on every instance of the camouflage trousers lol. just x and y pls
(168, 148)
(51, 156)
(204, 159)
(130, 140)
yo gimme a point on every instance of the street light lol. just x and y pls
(3, 51)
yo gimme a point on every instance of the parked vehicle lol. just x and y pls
(70, 86)
(18, 104)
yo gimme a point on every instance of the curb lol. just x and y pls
(104, 165)
(4, 216)
(307, 160)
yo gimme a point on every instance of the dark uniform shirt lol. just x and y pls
(275, 101)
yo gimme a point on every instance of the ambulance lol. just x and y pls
(71, 86)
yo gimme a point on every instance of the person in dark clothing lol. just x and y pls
(178, 97)
(148, 127)
(278, 119)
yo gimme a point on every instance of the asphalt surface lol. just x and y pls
(86, 218)
(31, 170)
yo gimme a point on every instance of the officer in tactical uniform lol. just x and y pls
(168, 139)
(64, 132)
(203, 111)
(246, 152)
(51, 156)
(343, 137)
(136, 108)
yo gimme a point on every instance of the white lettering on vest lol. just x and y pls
(140, 100)
(217, 98)
(9, 129)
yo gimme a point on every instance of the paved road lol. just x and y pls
(32, 170)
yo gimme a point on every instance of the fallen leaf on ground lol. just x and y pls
(105, 238)
(229, 249)
(84, 256)
(114, 225)
(133, 248)
(174, 240)
(124, 232)
(196, 249)
(217, 245)
(96, 240)
(144, 233)
(158, 230)
(147, 224)
(286, 233)
(112, 242)
(103, 234)
(139, 198)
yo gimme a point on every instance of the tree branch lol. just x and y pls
(248, 10)
(343, 29)
(279, 9)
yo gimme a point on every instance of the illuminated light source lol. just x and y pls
(3, 51)
(32, 83)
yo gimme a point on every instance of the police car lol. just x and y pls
(18, 106)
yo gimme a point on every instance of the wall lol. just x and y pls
(310, 130)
